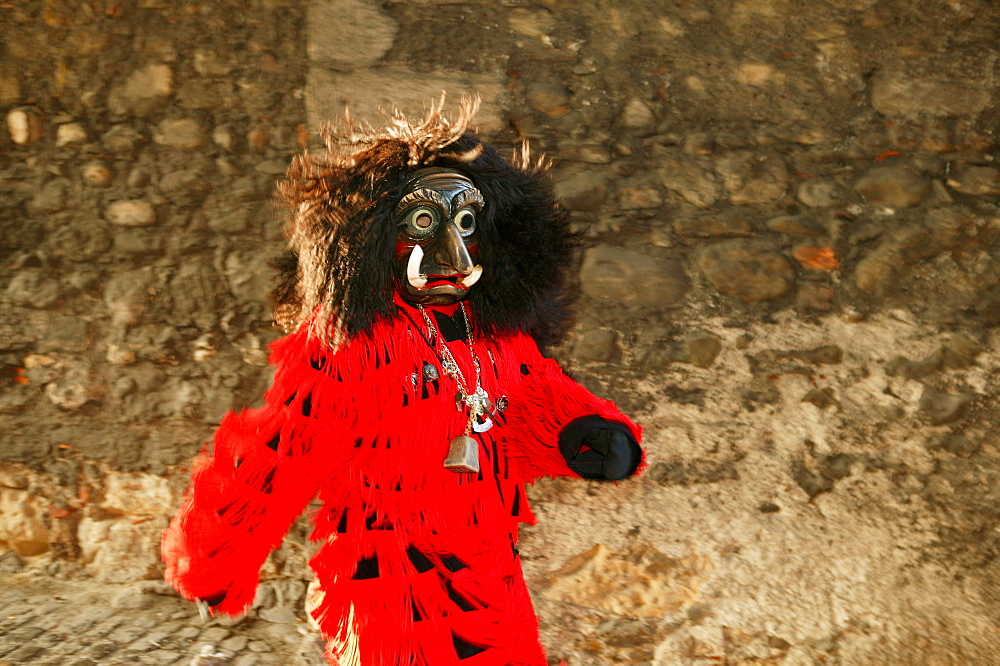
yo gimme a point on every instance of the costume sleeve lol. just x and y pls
(262, 470)
(555, 427)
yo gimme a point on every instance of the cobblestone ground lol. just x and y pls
(62, 623)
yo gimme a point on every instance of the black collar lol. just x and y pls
(452, 328)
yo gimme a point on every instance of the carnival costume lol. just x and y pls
(411, 396)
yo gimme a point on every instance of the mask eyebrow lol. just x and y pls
(422, 195)
(468, 197)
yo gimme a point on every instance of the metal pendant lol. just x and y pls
(463, 455)
(484, 426)
(430, 372)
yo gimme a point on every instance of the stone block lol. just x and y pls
(751, 273)
(22, 528)
(692, 178)
(975, 180)
(328, 93)
(599, 345)
(582, 190)
(143, 90)
(349, 34)
(636, 115)
(752, 177)
(893, 187)
(181, 133)
(249, 274)
(632, 278)
(137, 494)
(126, 296)
(642, 582)
(121, 551)
(131, 213)
(25, 125)
(914, 91)
(76, 387)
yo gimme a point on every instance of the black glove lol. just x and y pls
(596, 448)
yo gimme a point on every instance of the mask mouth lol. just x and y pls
(418, 280)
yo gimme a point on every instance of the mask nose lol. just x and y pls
(448, 252)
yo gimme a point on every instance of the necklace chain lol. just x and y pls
(474, 398)
(448, 363)
(463, 451)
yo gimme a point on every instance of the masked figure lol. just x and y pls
(410, 395)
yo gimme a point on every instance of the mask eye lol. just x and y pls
(466, 221)
(421, 222)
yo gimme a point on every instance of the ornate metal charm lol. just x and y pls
(502, 404)
(463, 455)
(430, 372)
(479, 401)
(479, 405)
(482, 427)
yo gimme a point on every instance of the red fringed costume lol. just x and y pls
(418, 564)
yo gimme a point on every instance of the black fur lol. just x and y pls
(525, 240)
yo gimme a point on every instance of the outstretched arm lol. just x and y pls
(262, 471)
(556, 427)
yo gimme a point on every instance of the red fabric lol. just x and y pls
(372, 445)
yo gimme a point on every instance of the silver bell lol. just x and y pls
(463, 455)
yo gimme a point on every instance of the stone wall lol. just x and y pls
(792, 280)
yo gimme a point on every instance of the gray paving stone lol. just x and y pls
(23, 634)
(78, 625)
(95, 613)
(51, 607)
(214, 634)
(49, 639)
(129, 656)
(106, 626)
(150, 641)
(126, 633)
(25, 653)
(235, 643)
(99, 650)
(169, 627)
(189, 632)
(19, 609)
(146, 622)
(260, 646)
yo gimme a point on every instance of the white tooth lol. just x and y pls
(472, 277)
(413, 275)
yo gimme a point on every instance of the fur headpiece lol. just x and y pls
(340, 270)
